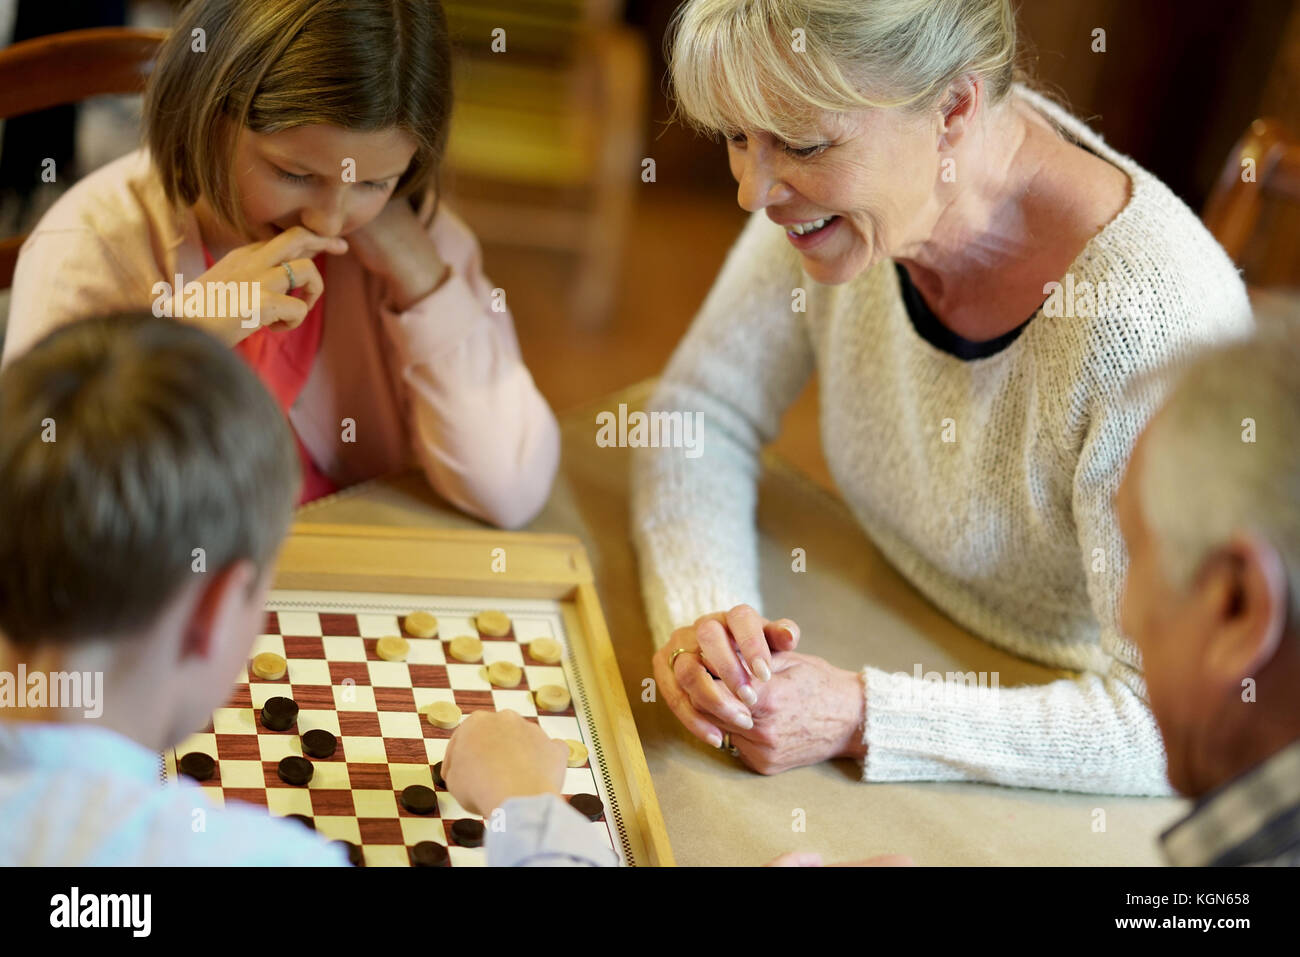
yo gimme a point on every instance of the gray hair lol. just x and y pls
(1222, 457)
(739, 64)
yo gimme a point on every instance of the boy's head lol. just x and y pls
(300, 112)
(1210, 511)
(146, 481)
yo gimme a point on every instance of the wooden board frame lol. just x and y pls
(459, 563)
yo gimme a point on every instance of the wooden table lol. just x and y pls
(853, 608)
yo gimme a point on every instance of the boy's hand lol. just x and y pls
(497, 755)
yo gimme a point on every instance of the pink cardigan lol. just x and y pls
(441, 384)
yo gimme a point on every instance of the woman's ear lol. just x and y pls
(958, 109)
(1247, 595)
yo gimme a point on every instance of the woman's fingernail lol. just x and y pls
(761, 671)
(744, 721)
(747, 694)
(715, 740)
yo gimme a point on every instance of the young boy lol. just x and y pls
(146, 481)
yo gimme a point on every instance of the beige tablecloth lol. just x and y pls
(853, 609)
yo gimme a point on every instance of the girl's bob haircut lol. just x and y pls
(272, 65)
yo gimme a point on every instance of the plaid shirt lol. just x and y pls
(1252, 819)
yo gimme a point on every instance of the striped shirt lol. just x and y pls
(1252, 819)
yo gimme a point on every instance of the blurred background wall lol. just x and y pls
(603, 271)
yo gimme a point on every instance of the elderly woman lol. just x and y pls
(979, 281)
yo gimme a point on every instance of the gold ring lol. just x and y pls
(672, 659)
(728, 746)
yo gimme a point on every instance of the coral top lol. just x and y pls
(283, 360)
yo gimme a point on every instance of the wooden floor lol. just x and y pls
(677, 246)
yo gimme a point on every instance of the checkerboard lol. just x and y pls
(374, 708)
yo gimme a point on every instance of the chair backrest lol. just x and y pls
(1254, 208)
(67, 68)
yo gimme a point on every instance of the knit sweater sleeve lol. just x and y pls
(743, 361)
(1094, 733)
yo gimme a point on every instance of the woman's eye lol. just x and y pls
(291, 177)
(807, 150)
(382, 187)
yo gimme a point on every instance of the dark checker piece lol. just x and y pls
(589, 805)
(354, 853)
(467, 832)
(198, 766)
(419, 800)
(304, 820)
(430, 854)
(279, 713)
(295, 770)
(437, 776)
(319, 744)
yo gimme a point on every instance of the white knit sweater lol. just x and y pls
(1000, 528)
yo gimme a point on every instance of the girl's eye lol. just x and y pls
(300, 179)
(291, 177)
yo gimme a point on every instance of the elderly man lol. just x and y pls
(1210, 512)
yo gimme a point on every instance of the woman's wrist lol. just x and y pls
(854, 741)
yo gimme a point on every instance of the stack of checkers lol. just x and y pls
(344, 715)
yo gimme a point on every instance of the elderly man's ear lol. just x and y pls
(1243, 592)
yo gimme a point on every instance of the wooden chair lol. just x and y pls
(546, 139)
(1254, 208)
(67, 68)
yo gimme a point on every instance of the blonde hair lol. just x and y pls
(767, 64)
(357, 64)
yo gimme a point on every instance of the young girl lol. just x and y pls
(293, 146)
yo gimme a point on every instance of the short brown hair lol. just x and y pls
(127, 442)
(272, 65)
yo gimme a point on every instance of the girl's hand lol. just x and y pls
(395, 246)
(263, 264)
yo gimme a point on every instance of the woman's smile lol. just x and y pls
(810, 235)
